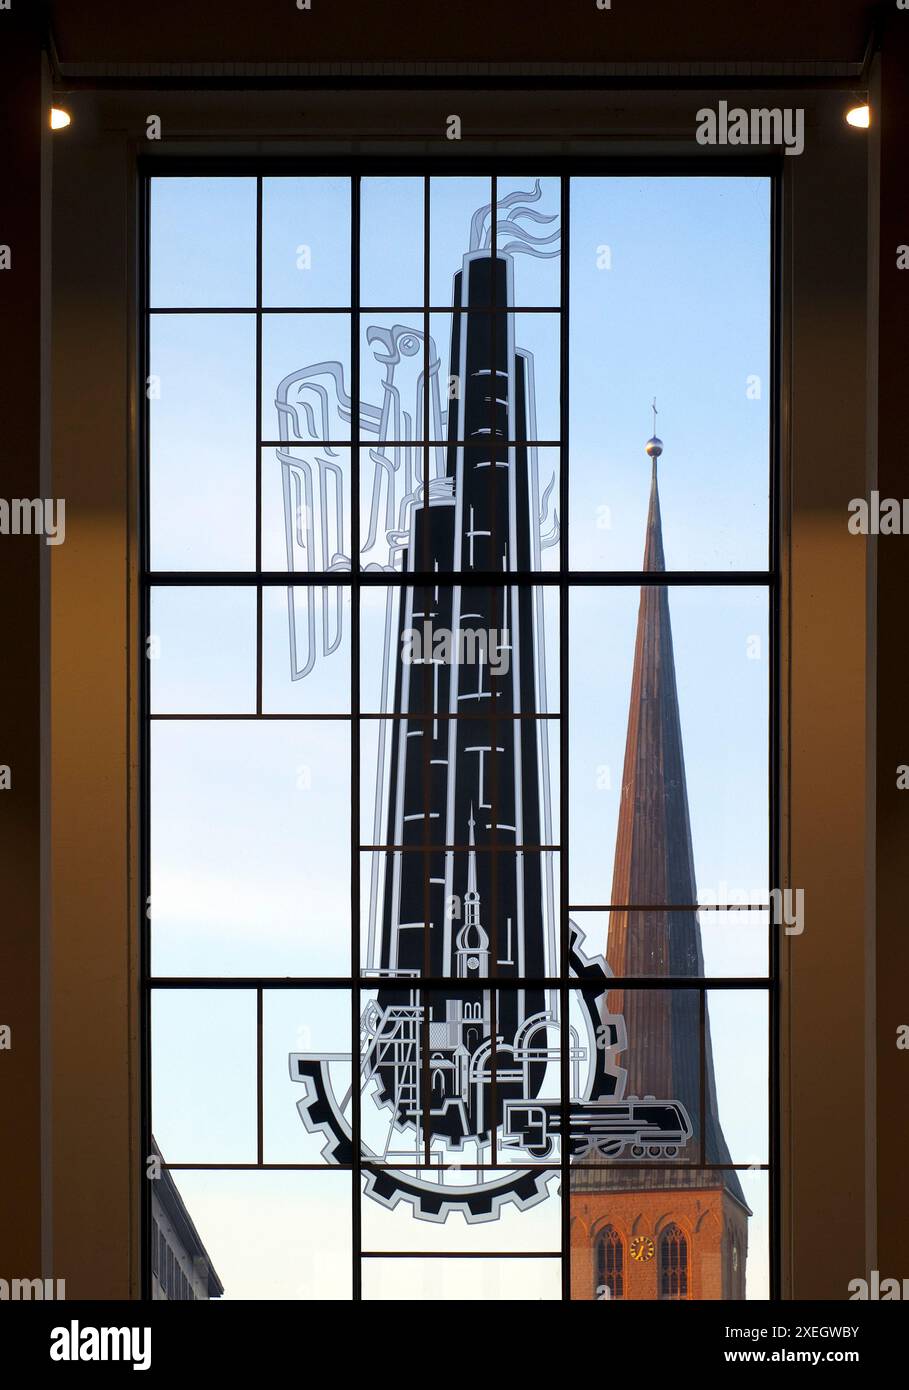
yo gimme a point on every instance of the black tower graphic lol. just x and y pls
(483, 906)
(465, 1070)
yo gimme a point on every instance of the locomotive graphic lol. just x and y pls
(602, 1124)
(460, 1074)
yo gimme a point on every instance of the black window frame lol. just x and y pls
(564, 581)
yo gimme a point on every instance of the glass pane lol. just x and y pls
(536, 1228)
(250, 847)
(461, 1090)
(739, 1031)
(733, 943)
(535, 341)
(305, 1033)
(392, 373)
(670, 300)
(275, 1235)
(392, 755)
(306, 243)
(656, 1204)
(204, 1075)
(718, 780)
(649, 1242)
(202, 488)
(486, 1280)
(391, 242)
(306, 508)
(306, 377)
(202, 650)
(449, 335)
(306, 649)
(472, 651)
(454, 204)
(516, 905)
(527, 228)
(203, 243)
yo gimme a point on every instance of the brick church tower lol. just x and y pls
(674, 1231)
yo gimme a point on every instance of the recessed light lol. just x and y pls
(859, 116)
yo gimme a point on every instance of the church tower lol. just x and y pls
(676, 1231)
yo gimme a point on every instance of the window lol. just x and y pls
(610, 1264)
(673, 1264)
(460, 595)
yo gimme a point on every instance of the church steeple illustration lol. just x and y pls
(669, 1048)
(472, 942)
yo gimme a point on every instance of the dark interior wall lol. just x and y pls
(828, 1002)
(824, 413)
(93, 1154)
(892, 689)
(21, 74)
(471, 31)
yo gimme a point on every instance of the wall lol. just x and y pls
(97, 1166)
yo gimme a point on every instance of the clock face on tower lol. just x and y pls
(642, 1248)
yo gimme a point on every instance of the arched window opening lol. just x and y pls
(673, 1264)
(610, 1264)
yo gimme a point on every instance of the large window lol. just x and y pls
(460, 599)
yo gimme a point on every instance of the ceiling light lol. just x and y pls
(859, 116)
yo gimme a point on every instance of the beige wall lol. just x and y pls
(94, 895)
(825, 708)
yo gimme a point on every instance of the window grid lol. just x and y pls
(610, 1263)
(673, 1255)
(673, 1264)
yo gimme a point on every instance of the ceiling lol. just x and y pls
(793, 37)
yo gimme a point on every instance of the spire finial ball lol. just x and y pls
(654, 447)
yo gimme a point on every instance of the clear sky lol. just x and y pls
(669, 297)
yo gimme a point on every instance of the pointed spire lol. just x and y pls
(472, 940)
(653, 545)
(472, 855)
(654, 865)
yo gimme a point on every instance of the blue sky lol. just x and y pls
(250, 821)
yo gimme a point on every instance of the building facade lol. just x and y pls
(181, 1266)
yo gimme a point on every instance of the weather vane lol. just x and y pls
(654, 446)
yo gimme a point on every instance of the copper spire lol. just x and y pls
(654, 864)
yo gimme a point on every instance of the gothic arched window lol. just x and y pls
(610, 1264)
(673, 1264)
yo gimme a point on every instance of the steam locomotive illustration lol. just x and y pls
(658, 1129)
